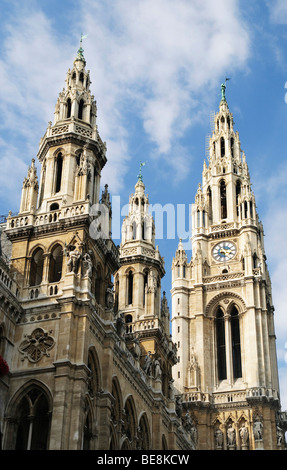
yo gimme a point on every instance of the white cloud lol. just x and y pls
(157, 58)
(150, 61)
(278, 11)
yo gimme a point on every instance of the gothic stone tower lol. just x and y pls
(144, 314)
(222, 310)
(64, 280)
(78, 379)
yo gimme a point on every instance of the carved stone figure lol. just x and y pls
(148, 363)
(231, 435)
(73, 262)
(244, 434)
(157, 369)
(219, 438)
(87, 265)
(258, 430)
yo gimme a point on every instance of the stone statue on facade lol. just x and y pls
(73, 261)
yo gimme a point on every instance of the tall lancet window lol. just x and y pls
(221, 346)
(37, 264)
(238, 192)
(56, 263)
(222, 147)
(236, 348)
(209, 198)
(232, 147)
(58, 172)
(130, 287)
(69, 107)
(81, 109)
(223, 201)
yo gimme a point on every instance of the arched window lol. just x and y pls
(223, 201)
(245, 209)
(232, 147)
(143, 434)
(98, 285)
(143, 231)
(117, 286)
(56, 263)
(54, 206)
(236, 348)
(222, 147)
(128, 322)
(145, 285)
(134, 230)
(238, 192)
(209, 196)
(69, 107)
(221, 347)
(58, 172)
(87, 437)
(81, 108)
(130, 287)
(33, 422)
(37, 264)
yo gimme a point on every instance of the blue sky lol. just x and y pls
(156, 69)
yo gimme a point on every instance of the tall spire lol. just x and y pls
(80, 55)
(223, 90)
(140, 178)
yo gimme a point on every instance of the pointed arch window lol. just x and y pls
(69, 107)
(130, 287)
(81, 109)
(56, 263)
(223, 201)
(58, 172)
(209, 197)
(37, 264)
(232, 146)
(236, 347)
(222, 147)
(145, 286)
(98, 285)
(221, 345)
(134, 230)
(33, 422)
(238, 192)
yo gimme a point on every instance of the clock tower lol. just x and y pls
(222, 309)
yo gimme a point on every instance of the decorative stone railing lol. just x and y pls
(223, 277)
(262, 392)
(76, 128)
(230, 397)
(47, 217)
(142, 325)
(140, 250)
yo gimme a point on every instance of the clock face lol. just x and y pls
(224, 251)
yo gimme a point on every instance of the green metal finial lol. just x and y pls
(223, 88)
(80, 55)
(140, 178)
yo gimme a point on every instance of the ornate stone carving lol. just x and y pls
(36, 345)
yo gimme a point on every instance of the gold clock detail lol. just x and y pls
(224, 251)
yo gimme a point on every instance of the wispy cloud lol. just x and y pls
(156, 59)
(150, 62)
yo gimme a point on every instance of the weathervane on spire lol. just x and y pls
(140, 178)
(223, 88)
(81, 50)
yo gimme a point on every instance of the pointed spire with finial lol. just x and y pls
(223, 90)
(140, 177)
(80, 55)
